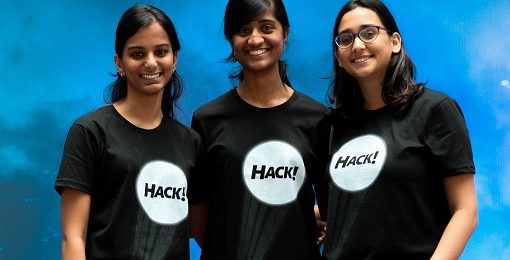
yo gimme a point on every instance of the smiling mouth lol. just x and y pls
(152, 75)
(257, 52)
(361, 59)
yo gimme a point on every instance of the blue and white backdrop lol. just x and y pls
(56, 57)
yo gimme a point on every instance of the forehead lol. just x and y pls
(356, 18)
(266, 16)
(151, 35)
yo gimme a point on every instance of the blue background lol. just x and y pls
(56, 57)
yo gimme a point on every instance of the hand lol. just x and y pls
(321, 226)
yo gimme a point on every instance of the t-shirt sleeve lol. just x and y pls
(320, 181)
(448, 138)
(77, 165)
(202, 182)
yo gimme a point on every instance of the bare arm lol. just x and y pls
(198, 218)
(75, 206)
(461, 196)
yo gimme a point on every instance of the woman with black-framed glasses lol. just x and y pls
(401, 174)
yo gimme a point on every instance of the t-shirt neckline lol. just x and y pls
(131, 125)
(284, 105)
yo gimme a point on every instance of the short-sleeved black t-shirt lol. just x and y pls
(138, 183)
(260, 166)
(386, 194)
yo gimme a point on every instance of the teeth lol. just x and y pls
(257, 52)
(151, 76)
(362, 59)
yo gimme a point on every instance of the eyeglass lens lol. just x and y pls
(366, 35)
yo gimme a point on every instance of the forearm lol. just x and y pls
(456, 235)
(198, 219)
(75, 207)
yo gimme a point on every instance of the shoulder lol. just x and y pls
(217, 105)
(432, 100)
(96, 117)
(183, 131)
(306, 105)
(432, 97)
(308, 101)
(93, 125)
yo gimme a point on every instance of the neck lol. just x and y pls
(141, 111)
(264, 90)
(372, 94)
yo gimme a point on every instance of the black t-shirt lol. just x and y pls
(386, 194)
(260, 166)
(137, 180)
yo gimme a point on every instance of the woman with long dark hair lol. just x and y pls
(262, 147)
(123, 175)
(401, 172)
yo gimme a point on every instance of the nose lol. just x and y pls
(150, 61)
(358, 44)
(255, 38)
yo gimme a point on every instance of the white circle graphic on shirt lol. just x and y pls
(358, 162)
(161, 188)
(274, 172)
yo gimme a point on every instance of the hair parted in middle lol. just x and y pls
(238, 13)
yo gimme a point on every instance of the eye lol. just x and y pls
(136, 54)
(244, 31)
(268, 28)
(368, 33)
(345, 39)
(161, 52)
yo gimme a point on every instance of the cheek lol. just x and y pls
(341, 57)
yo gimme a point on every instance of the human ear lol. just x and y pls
(285, 35)
(338, 57)
(118, 64)
(174, 66)
(396, 43)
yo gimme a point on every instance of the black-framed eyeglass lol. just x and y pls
(368, 34)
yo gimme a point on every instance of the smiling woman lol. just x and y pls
(263, 143)
(147, 61)
(413, 194)
(123, 176)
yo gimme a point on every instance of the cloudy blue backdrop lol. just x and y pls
(55, 59)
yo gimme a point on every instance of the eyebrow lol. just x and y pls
(363, 26)
(157, 46)
(266, 21)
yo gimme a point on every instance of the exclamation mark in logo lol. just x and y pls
(375, 156)
(183, 198)
(295, 172)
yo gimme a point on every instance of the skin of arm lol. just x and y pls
(75, 208)
(461, 196)
(321, 225)
(198, 218)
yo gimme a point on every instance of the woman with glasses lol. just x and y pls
(401, 175)
(262, 148)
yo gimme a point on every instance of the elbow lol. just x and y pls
(475, 218)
